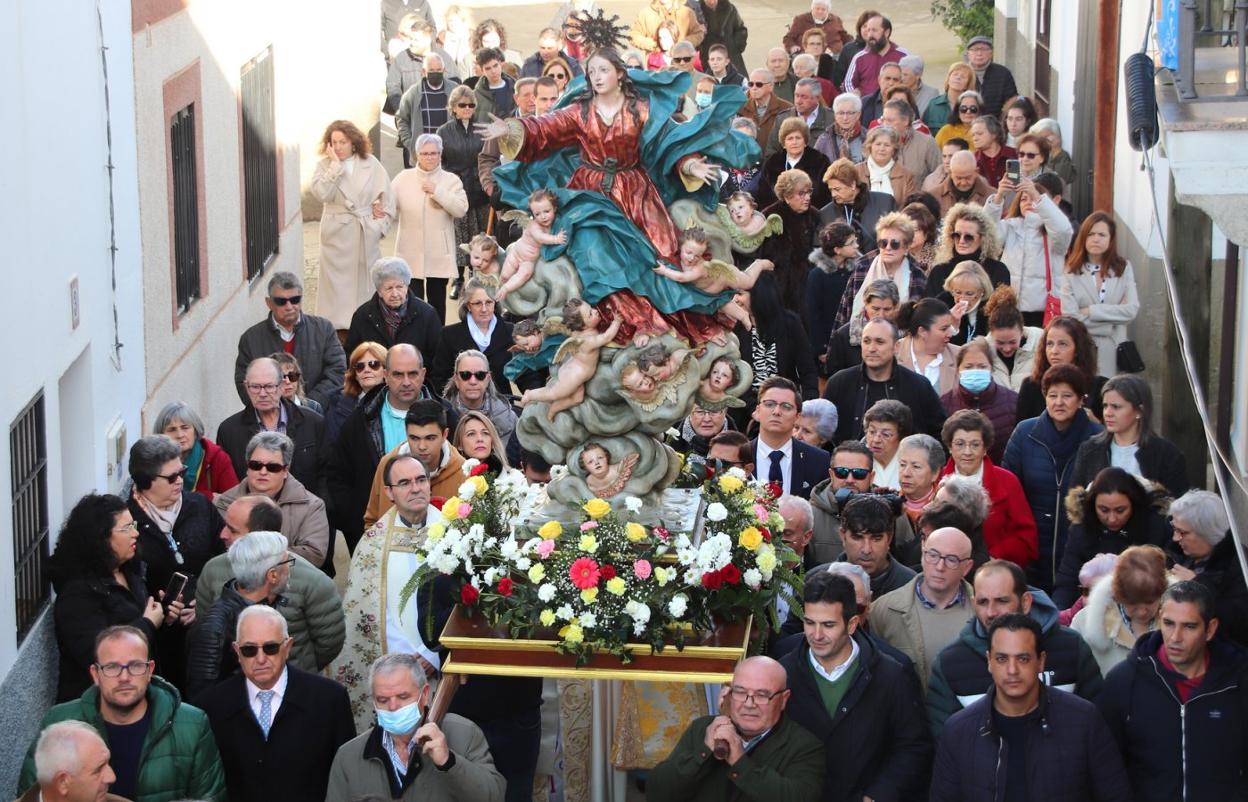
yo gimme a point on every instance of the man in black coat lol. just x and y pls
(277, 727)
(418, 323)
(856, 700)
(996, 82)
(265, 410)
(856, 388)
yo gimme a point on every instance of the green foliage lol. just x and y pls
(966, 18)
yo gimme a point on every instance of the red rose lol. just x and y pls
(766, 534)
(712, 580)
(731, 574)
(480, 469)
(504, 586)
(608, 572)
(775, 489)
(468, 595)
(436, 502)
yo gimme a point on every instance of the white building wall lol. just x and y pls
(57, 226)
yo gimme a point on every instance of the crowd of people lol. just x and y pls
(1011, 590)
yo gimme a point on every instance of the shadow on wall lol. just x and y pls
(27, 691)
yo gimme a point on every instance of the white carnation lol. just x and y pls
(524, 563)
(446, 564)
(589, 620)
(633, 504)
(564, 612)
(637, 611)
(678, 605)
(466, 491)
(509, 549)
(469, 464)
(716, 512)
(546, 592)
(490, 575)
(752, 578)
(737, 473)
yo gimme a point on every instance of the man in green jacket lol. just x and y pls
(161, 749)
(765, 755)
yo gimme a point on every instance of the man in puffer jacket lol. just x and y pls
(1178, 705)
(960, 673)
(161, 749)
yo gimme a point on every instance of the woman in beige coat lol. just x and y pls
(358, 211)
(1098, 288)
(429, 200)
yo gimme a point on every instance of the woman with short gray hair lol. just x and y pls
(1202, 532)
(393, 315)
(208, 468)
(816, 425)
(919, 460)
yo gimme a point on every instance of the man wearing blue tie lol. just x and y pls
(779, 457)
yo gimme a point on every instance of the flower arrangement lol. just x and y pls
(607, 583)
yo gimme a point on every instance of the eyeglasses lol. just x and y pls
(890, 244)
(681, 59)
(958, 236)
(771, 404)
(135, 668)
(759, 698)
(804, 192)
(287, 561)
(271, 467)
(130, 527)
(465, 105)
(371, 364)
(968, 109)
(172, 477)
(698, 412)
(250, 650)
(479, 375)
(291, 377)
(759, 84)
(481, 304)
(933, 557)
(294, 299)
(262, 389)
(857, 473)
(404, 484)
(1027, 154)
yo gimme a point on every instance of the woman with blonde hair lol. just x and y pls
(967, 234)
(966, 291)
(477, 438)
(1124, 605)
(939, 111)
(894, 236)
(881, 170)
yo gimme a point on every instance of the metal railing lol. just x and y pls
(1196, 31)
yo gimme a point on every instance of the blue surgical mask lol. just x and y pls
(703, 99)
(975, 380)
(402, 721)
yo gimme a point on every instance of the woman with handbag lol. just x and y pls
(1035, 236)
(1098, 288)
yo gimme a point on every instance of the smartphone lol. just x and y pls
(1013, 170)
(177, 584)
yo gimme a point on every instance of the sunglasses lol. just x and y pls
(958, 236)
(271, 467)
(681, 59)
(559, 76)
(294, 299)
(968, 109)
(292, 377)
(172, 477)
(371, 364)
(857, 473)
(250, 650)
(758, 84)
(1026, 154)
(465, 105)
(890, 244)
(479, 375)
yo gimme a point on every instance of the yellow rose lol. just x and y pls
(589, 595)
(436, 531)
(588, 543)
(537, 573)
(479, 483)
(730, 484)
(450, 508)
(572, 633)
(550, 530)
(617, 585)
(660, 575)
(767, 561)
(547, 617)
(596, 508)
(750, 538)
(635, 531)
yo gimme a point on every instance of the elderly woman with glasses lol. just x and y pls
(1206, 549)
(393, 315)
(461, 145)
(178, 531)
(471, 387)
(99, 582)
(429, 199)
(844, 139)
(480, 328)
(304, 521)
(208, 467)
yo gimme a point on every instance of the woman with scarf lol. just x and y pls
(393, 315)
(919, 460)
(208, 468)
(881, 171)
(845, 138)
(479, 328)
(894, 235)
(854, 203)
(923, 248)
(833, 262)
(977, 391)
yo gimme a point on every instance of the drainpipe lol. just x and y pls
(1106, 105)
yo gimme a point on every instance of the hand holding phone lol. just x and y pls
(1013, 170)
(174, 590)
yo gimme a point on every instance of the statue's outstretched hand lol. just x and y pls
(701, 168)
(491, 130)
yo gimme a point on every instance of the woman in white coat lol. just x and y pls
(1033, 227)
(358, 211)
(1098, 287)
(429, 200)
(1123, 606)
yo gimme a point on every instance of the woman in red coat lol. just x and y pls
(1010, 529)
(208, 468)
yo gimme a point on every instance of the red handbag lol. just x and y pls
(1052, 303)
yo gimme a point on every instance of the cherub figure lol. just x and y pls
(724, 374)
(655, 376)
(523, 254)
(603, 478)
(712, 276)
(659, 363)
(577, 358)
(527, 337)
(747, 226)
(482, 253)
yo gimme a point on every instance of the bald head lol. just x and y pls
(950, 540)
(962, 170)
(778, 62)
(946, 562)
(751, 714)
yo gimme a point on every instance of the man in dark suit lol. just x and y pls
(780, 457)
(277, 727)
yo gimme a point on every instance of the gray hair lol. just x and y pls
(425, 139)
(884, 289)
(912, 62)
(491, 391)
(56, 750)
(848, 99)
(825, 415)
(148, 455)
(260, 611)
(272, 441)
(972, 94)
(254, 554)
(684, 45)
(1047, 125)
(284, 280)
(390, 267)
(178, 411)
(747, 123)
(854, 573)
(882, 132)
(396, 661)
(925, 442)
(801, 505)
(810, 64)
(967, 494)
(1204, 512)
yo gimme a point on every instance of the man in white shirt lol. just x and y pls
(779, 457)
